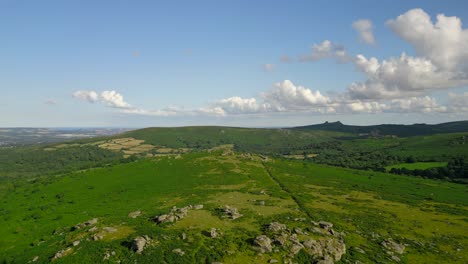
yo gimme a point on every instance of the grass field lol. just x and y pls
(417, 165)
(37, 215)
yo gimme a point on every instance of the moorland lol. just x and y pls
(316, 194)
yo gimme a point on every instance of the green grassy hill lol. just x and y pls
(373, 214)
(391, 129)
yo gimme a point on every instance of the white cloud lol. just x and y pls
(364, 29)
(445, 43)
(286, 96)
(89, 96)
(110, 98)
(114, 99)
(268, 67)
(423, 104)
(326, 49)
(401, 77)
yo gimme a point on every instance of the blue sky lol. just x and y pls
(206, 60)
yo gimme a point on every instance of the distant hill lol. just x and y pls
(391, 129)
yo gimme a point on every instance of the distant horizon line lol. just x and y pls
(271, 127)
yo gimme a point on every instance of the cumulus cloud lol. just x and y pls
(364, 28)
(89, 96)
(400, 77)
(110, 98)
(284, 96)
(114, 99)
(326, 49)
(445, 43)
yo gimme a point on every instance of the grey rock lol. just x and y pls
(139, 243)
(134, 214)
(325, 225)
(231, 212)
(276, 227)
(263, 244)
(62, 253)
(214, 233)
(198, 206)
(76, 243)
(178, 251)
(393, 246)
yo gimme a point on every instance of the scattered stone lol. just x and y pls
(282, 239)
(110, 229)
(107, 256)
(183, 236)
(87, 223)
(393, 246)
(178, 251)
(395, 258)
(214, 233)
(231, 212)
(93, 229)
(198, 206)
(62, 253)
(276, 227)
(295, 248)
(35, 258)
(263, 243)
(360, 250)
(76, 243)
(134, 214)
(262, 203)
(97, 237)
(139, 243)
(262, 192)
(298, 231)
(273, 261)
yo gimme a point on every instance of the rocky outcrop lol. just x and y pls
(327, 249)
(139, 243)
(231, 212)
(176, 214)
